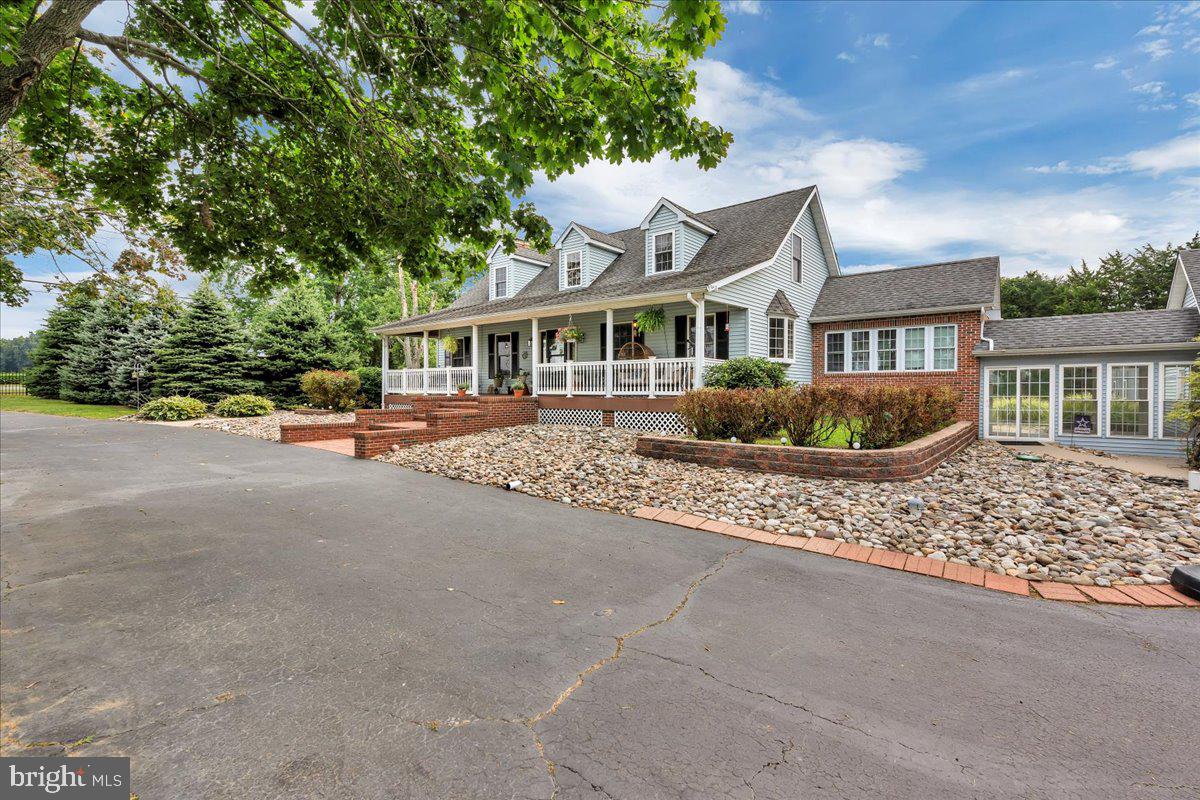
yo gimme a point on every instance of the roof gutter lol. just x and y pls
(1095, 348)
(895, 313)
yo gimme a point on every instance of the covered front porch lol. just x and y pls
(608, 353)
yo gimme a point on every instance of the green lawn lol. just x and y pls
(839, 439)
(62, 408)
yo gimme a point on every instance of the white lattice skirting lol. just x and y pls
(651, 421)
(399, 407)
(570, 416)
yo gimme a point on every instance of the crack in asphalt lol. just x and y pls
(531, 720)
(785, 748)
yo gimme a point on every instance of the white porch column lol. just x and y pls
(698, 369)
(475, 360)
(425, 362)
(535, 352)
(608, 349)
(384, 381)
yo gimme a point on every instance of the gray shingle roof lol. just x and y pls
(601, 237)
(750, 233)
(527, 252)
(1093, 331)
(953, 284)
(1191, 268)
(781, 305)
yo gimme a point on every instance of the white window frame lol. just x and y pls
(926, 344)
(1162, 395)
(845, 353)
(1108, 400)
(691, 324)
(654, 270)
(797, 260)
(871, 342)
(567, 269)
(987, 402)
(875, 348)
(1061, 398)
(931, 359)
(496, 280)
(789, 338)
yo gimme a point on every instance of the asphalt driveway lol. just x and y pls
(252, 620)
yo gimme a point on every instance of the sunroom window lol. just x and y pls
(1175, 395)
(1080, 401)
(1129, 400)
(574, 269)
(664, 251)
(835, 352)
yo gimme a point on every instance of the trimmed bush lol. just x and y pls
(371, 379)
(809, 414)
(746, 373)
(889, 416)
(173, 409)
(724, 413)
(332, 389)
(244, 405)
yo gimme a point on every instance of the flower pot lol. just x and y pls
(1194, 480)
(519, 392)
(462, 392)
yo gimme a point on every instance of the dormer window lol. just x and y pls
(664, 251)
(575, 268)
(501, 273)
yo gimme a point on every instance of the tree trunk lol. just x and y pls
(45, 38)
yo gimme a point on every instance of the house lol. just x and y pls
(762, 278)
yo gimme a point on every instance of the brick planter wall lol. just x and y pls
(965, 379)
(291, 433)
(909, 462)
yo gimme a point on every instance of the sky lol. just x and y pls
(1044, 133)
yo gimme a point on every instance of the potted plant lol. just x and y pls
(462, 388)
(498, 380)
(518, 386)
(568, 333)
(651, 320)
(449, 345)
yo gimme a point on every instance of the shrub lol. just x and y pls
(723, 413)
(173, 409)
(244, 405)
(332, 389)
(889, 416)
(371, 379)
(746, 373)
(808, 414)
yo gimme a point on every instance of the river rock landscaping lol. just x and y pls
(1053, 520)
(267, 427)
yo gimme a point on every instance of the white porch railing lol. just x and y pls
(435, 380)
(649, 377)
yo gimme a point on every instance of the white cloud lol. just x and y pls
(1107, 63)
(1180, 153)
(844, 56)
(1192, 98)
(1155, 89)
(733, 99)
(990, 80)
(750, 7)
(1156, 49)
(883, 40)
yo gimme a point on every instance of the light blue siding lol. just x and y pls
(754, 293)
(520, 273)
(596, 261)
(1189, 298)
(1152, 446)
(574, 242)
(688, 240)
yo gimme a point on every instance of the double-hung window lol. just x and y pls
(1080, 401)
(797, 258)
(1129, 400)
(574, 268)
(501, 273)
(835, 352)
(885, 349)
(1175, 394)
(664, 251)
(860, 351)
(781, 338)
(944, 349)
(914, 348)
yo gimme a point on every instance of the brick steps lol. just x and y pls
(1144, 596)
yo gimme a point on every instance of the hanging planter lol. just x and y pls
(449, 345)
(651, 320)
(568, 333)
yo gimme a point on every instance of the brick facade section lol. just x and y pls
(909, 462)
(431, 418)
(964, 380)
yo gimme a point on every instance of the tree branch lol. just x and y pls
(42, 40)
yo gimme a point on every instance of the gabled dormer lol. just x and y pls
(584, 253)
(509, 273)
(673, 236)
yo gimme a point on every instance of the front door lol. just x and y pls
(1018, 403)
(504, 353)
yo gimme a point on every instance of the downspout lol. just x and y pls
(983, 321)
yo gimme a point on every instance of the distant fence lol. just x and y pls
(13, 382)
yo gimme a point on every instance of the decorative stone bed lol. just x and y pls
(1055, 520)
(913, 460)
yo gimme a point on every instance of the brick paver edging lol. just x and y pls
(909, 462)
(1144, 596)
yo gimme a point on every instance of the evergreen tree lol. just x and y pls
(59, 336)
(204, 354)
(134, 358)
(87, 373)
(292, 336)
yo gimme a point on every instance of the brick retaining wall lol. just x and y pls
(909, 462)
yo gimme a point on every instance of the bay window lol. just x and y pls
(781, 338)
(1129, 400)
